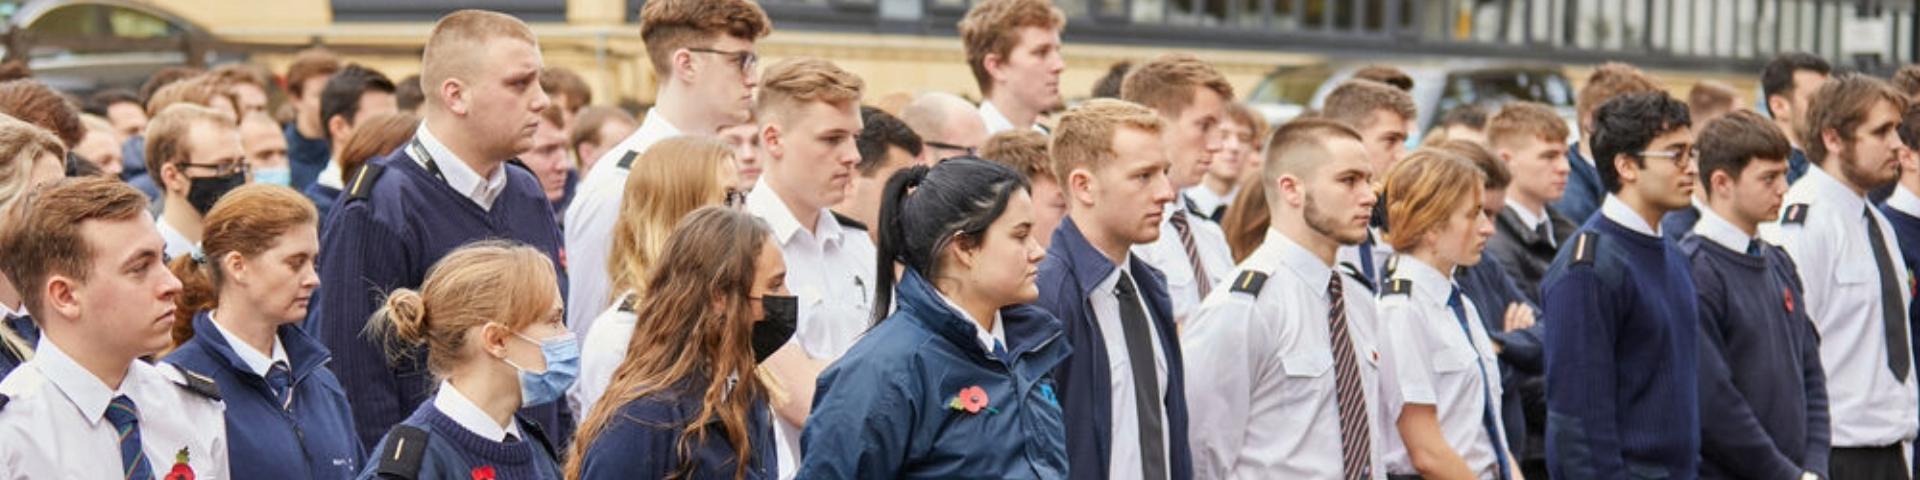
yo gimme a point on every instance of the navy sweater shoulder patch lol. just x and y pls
(363, 181)
(406, 448)
(1585, 246)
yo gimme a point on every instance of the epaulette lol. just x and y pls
(627, 303)
(1393, 265)
(3, 401)
(626, 161)
(197, 383)
(406, 447)
(1795, 214)
(1354, 273)
(363, 181)
(1249, 282)
(849, 222)
(1399, 286)
(1584, 246)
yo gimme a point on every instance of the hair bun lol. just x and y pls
(407, 312)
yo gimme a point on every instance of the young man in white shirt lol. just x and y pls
(809, 112)
(1013, 47)
(86, 406)
(702, 50)
(1284, 361)
(1857, 292)
(1191, 97)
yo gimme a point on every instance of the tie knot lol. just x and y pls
(1453, 298)
(122, 412)
(1124, 287)
(1333, 285)
(1179, 218)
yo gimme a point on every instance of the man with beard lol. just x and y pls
(1621, 349)
(1288, 348)
(1013, 47)
(1856, 295)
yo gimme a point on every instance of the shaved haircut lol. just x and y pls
(1300, 146)
(455, 49)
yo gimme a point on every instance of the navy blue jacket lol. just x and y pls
(387, 239)
(1521, 355)
(1906, 230)
(1763, 390)
(314, 439)
(1583, 194)
(28, 332)
(306, 157)
(1797, 165)
(643, 441)
(1068, 275)
(887, 409)
(1622, 357)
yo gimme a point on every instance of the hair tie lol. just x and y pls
(197, 257)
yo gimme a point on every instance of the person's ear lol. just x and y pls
(453, 93)
(173, 178)
(1290, 193)
(1831, 139)
(994, 64)
(770, 140)
(682, 61)
(338, 128)
(493, 339)
(62, 295)
(966, 250)
(234, 266)
(1080, 186)
(1779, 104)
(1625, 170)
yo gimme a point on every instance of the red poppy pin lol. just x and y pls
(180, 471)
(483, 473)
(971, 400)
(1789, 293)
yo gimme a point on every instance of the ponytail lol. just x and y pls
(197, 294)
(892, 236)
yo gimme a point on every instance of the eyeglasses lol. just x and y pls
(745, 59)
(736, 199)
(220, 169)
(970, 151)
(1680, 158)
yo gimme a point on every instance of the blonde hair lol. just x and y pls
(1425, 190)
(992, 27)
(199, 90)
(796, 82)
(1022, 149)
(490, 281)
(676, 176)
(1167, 84)
(21, 146)
(1525, 121)
(1354, 101)
(670, 25)
(167, 134)
(455, 47)
(1085, 136)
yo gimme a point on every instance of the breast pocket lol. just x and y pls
(1309, 372)
(1454, 361)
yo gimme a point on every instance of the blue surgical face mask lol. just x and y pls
(562, 353)
(281, 176)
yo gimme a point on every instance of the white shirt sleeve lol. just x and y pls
(1229, 350)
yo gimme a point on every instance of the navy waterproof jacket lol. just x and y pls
(314, 439)
(888, 408)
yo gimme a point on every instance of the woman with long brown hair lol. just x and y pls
(244, 298)
(675, 177)
(687, 403)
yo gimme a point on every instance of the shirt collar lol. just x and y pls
(987, 336)
(1831, 193)
(1296, 258)
(997, 122)
(1529, 219)
(15, 312)
(256, 361)
(1905, 201)
(330, 176)
(1717, 229)
(177, 244)
(460, 176)
(763, 202)
(654, 128)
(1618, 211)
(1428, 282)
(81, 387)
(463, 411)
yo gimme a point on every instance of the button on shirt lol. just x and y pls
(257, 362)
(590, 219)
(1431, 361)
(460, 176)
(55, 426)
(997, 122)
(1169, 255)
(1831, 249)
(830, 269)
(1260, 380)
(463, 411)
(1124, 458)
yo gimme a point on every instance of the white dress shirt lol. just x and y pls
(1531, 219)
(590, 219)
(1431, 361)
(997, 122)
(1206, 201)
(56, 424)
(177, 244)
(332, 177)
(257, 361)
(1124, 455)
(1260, 371)
(1618, 211)
(831, 270)
(1842, 281)
(1170, 256)
(463, 411)
(460, 176)
(1717, 229)
(601, 351)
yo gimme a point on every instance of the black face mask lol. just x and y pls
(771, 333)
(203, 192)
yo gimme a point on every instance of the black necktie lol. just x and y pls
(1545, 232)
(1892, 310)
(1146, 379)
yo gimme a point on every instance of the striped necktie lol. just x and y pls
(1356, 444)
(1179, 221)
(125, 418)
(280, 380)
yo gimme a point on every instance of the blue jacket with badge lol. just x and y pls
(1067, 276)
(889, 407)
(313, 439)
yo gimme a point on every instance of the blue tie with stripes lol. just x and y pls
(125, 418)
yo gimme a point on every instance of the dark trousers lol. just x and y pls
(1869, 463)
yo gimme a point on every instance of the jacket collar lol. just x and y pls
(303, 352)
(1027, 327)
(1088, 265)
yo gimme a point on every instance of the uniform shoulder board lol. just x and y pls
(849, 222)
(626, 161)
(1393, 265)
(3, 401)
(627, 303)
(197, 383)
(1399, 286)
(1249, 282)
(1361, 278)
(1795, 214)
(363, 181)
(1584, 246)
(406, 447)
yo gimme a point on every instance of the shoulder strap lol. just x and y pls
(363, 181)
(627, 303)
(406, 448)
(1584, 248)
(626, 161)
(197, 383)
(1795, 214)
(849, 222)
(1249, 282)
(1399, 286)
(1354, 273)
(538, 435)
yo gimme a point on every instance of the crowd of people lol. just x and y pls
(477, 273)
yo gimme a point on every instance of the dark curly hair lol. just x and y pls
(1626, 124)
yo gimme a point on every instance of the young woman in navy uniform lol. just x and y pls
(287, 417)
